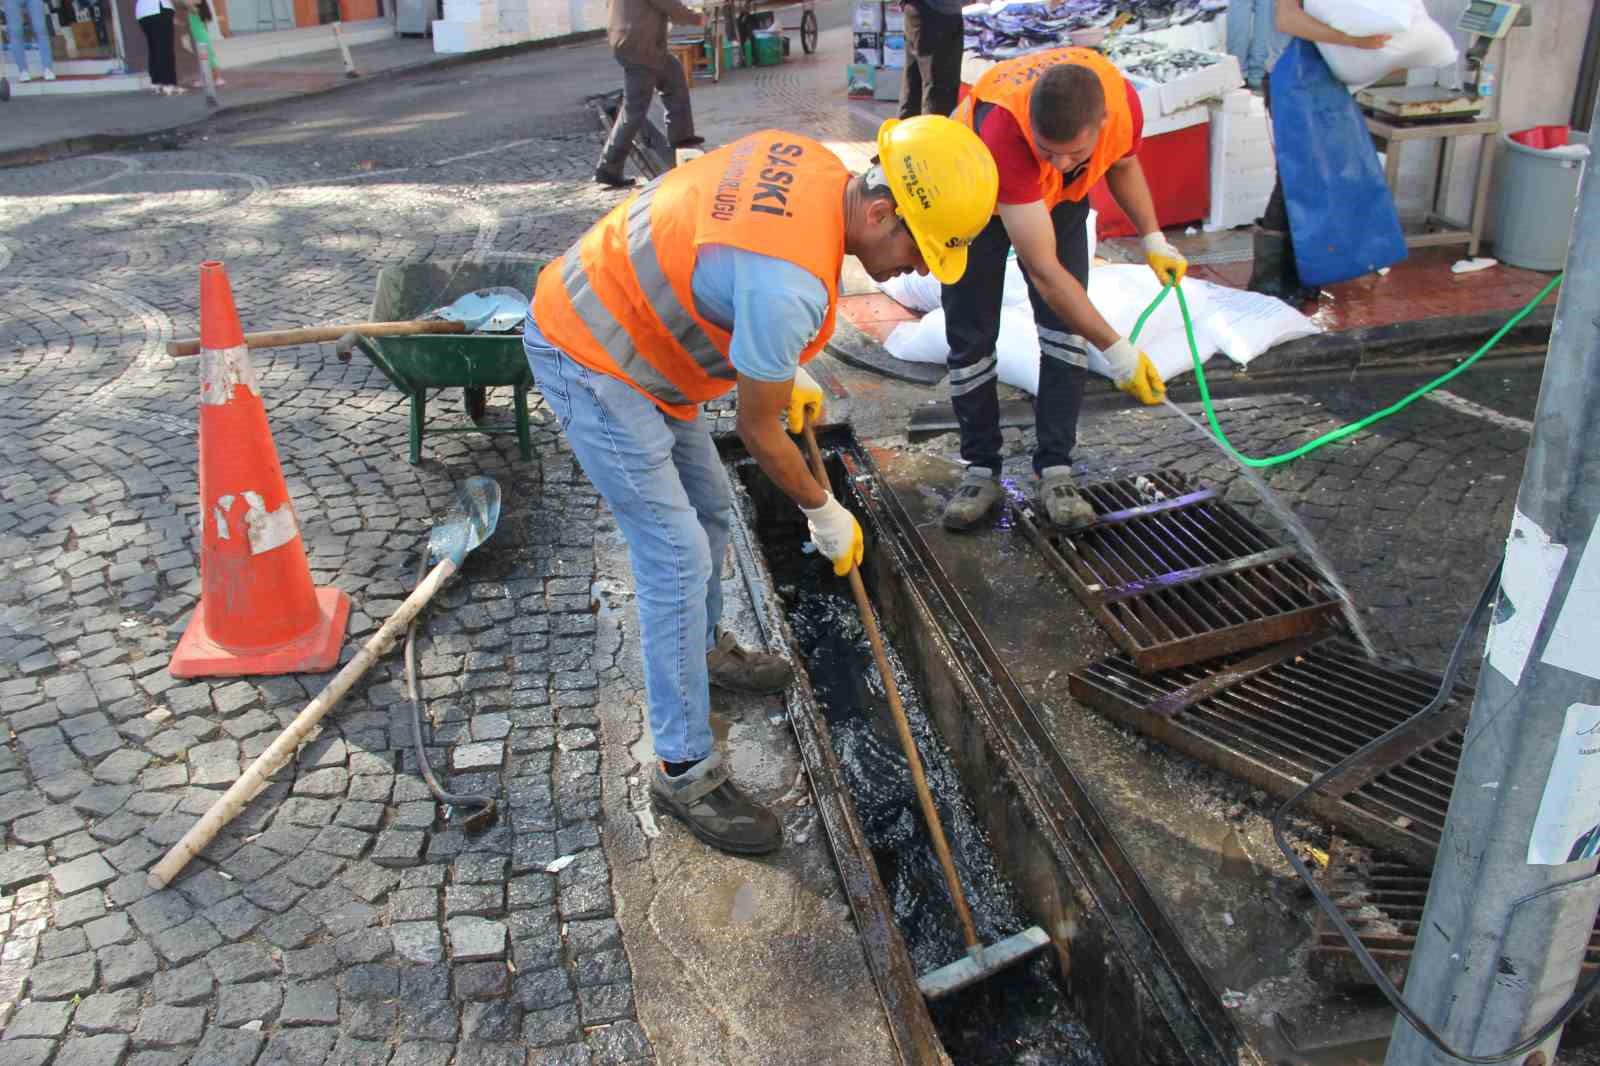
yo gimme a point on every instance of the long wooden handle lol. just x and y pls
(283, 338)
(255, 778)
(908, 744)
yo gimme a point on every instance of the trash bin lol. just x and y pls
(1538, 193)
(768, 49)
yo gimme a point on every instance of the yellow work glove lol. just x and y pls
(804, 398)
(1164, 259)
(1134, 373)
(836, 533)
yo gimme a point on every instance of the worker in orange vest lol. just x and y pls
(723, 275)
(1057, 122)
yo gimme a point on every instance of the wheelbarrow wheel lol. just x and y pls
(808, 32)
(477, 400)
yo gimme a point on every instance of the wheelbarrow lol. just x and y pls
(475, 362)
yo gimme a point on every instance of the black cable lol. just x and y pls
(1580, 996)
(486, 809)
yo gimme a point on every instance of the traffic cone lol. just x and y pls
(258, 611)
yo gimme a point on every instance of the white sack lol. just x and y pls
(1237, 323)
(1423, 44)
(921, 293)
(1362, 18)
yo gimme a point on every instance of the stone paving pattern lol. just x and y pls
(345, 918)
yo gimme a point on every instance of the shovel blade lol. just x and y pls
(469, 523)
(974, 968)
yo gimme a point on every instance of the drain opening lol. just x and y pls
(1019, 1015)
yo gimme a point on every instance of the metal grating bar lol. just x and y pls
(1178, 576)
(1382, 898)
(1282, 716)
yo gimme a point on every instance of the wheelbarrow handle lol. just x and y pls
(284, 338)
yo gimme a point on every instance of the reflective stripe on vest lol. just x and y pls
(620, 301)
(1010, 85)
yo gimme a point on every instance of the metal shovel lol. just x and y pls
(981, 961)
(468, 525)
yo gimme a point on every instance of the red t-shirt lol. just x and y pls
(1013, 154)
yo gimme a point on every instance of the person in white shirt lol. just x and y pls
(155, 19)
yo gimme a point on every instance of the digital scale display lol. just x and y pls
(1488, 18)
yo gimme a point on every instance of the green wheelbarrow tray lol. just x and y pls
(474, 362)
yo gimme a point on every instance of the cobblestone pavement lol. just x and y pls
(343, 918)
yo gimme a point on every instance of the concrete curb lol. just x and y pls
(84, 144)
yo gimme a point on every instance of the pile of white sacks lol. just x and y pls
(1241, 325)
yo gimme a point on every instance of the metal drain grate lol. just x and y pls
(1282, 716)
(1382, 900)
(1178, 576)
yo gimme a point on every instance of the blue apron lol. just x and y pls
(1341, 215)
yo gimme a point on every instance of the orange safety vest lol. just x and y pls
(621, 302)
(1010, 85)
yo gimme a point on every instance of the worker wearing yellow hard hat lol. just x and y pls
(723, 274)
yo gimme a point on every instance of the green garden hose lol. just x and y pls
(1345, 430)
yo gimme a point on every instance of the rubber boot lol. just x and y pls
(1273, 271)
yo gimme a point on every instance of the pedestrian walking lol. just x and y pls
(41, 37)
(1057, 122)
(723, 275)
(155, 19)
(1273, 271)
(931, 81)
(200, 17)
(637, 31)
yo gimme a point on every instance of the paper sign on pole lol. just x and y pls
(1567, 827)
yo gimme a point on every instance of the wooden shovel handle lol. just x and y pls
(908, 743)
(283, 338)
(255, 778)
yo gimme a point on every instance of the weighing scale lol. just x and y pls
(1486, 21)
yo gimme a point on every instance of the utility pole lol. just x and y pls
(1503, 935)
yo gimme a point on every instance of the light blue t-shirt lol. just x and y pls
(772, 307)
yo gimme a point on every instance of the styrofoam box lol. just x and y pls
(1208, 36)
(1241, 102)
(974, 67)
(1201, 86)
(1180, 120)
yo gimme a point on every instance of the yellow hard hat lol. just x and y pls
(944, 182)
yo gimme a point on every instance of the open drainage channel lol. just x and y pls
(1032, 848)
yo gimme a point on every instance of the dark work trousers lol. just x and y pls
(972, 326)
(1277, 216)
(931, 81)
(640, 83)
(162, 46)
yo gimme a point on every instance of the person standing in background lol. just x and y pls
(1273, 271)
(1253, 38)
(155, 19)
(931, 81)
(199, 18)
(638, 34)
(41, 36)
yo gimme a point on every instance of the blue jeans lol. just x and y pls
(41, 33)
(669, 492)
(1253, 38)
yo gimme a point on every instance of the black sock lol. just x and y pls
(677, 769)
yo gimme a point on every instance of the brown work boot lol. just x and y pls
(1058, 495)
(741, 670)
(716, 810)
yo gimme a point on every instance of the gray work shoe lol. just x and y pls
(975, 497)
(715, 809)
(741, 670)
(1058, 495)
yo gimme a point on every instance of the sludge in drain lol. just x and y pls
(1018, 1015)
